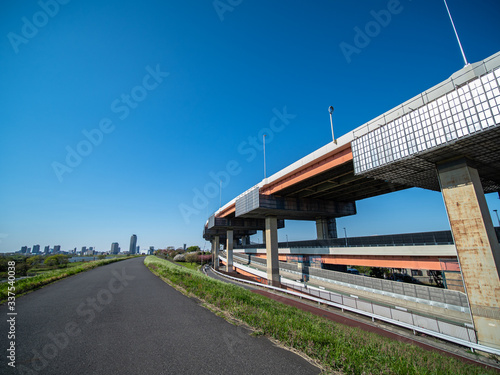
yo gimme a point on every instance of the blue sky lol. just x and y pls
(156, 96)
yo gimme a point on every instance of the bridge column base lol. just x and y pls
(229, 250)
(273, 274)
(215, 250)
(326, 228)
(477, 246)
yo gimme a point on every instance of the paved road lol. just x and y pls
(121, 319)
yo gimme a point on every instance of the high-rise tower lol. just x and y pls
(115, 249)
(133, 244)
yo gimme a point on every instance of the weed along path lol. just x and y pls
(122, 319)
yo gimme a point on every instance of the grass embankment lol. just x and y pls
(192, 266)
(336, 347)
(38, 281)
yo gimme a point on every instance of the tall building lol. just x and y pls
(84, 250)
(57, 248)
(115, 249)
(24, 249)
(36, 249)
(46, 250)
(133, 244)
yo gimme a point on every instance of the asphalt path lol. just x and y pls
(122, 319)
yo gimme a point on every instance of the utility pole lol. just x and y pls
(264, 144)
(456, 34)
(330, 109)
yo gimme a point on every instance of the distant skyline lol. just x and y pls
(122, 117)
(114, 249)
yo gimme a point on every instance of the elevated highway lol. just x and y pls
(446, 139)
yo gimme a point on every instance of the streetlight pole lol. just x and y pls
(330, 109)
(456, 34)
(496, 211)
(264, 144)
(220, 194)
(345, 235)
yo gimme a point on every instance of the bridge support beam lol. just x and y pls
(229, 250)
(215, 251)
(326, 228)
(477, 246)
(273, 273)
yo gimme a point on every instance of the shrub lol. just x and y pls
(192, 258)
(57, 260)
(205, 258)
(180, 258)
(34, 260)
(22, 269)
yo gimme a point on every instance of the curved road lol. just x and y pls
(121, 319)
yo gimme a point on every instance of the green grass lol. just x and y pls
(192, 266)
(47, 277)
(335, 346)
(40, 269)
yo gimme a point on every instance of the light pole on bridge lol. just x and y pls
(264, 145)
(456, 34)
(330, 109)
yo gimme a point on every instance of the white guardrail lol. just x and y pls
(456, 334)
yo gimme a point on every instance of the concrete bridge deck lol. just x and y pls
(446, 139)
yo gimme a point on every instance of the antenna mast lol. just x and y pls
(456, 34)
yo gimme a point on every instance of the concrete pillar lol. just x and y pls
(273, 274)
(212, 243)
(229, 250)
(216, 252)
(321, 230)
(326, 228)
(331, 224)
(477, 246)
(245, 240)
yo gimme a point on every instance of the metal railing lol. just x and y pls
(444, 298)
(433, 93)
(463, 335)
(407, 239)
(443, 237)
